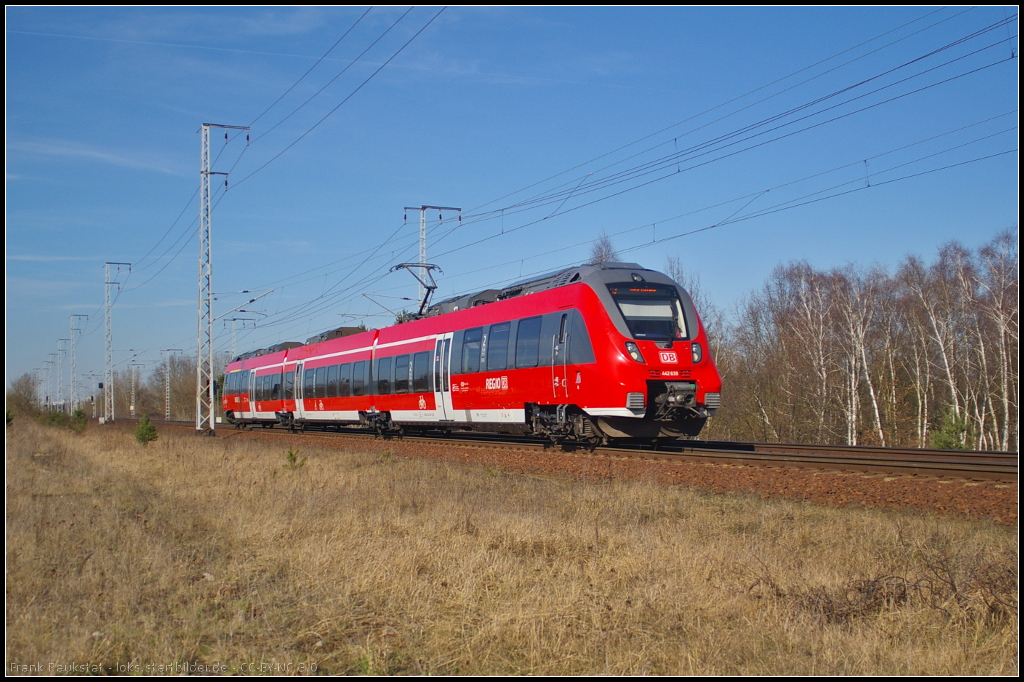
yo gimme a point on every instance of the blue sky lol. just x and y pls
(880, 132)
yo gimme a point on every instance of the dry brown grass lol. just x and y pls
(220, 551)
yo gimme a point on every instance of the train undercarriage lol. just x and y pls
(674, 415)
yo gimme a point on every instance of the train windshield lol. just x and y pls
(652, 311)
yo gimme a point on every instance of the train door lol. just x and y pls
(300, 412)
(243, 388)
(252, 393)
(442, 377)
(560, 358)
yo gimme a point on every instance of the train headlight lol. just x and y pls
(634, 352)
(698, 352)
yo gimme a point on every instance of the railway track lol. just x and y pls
(970, 465)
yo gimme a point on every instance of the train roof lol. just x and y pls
(603, 272)
(530, 285)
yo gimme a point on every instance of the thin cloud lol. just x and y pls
(48, 259)
(76, 150)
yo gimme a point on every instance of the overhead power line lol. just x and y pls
(310, 70)
(340, 104)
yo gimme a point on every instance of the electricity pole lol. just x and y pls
(74, 368)
(60, 373)
(49, 376)
(108, 364)
(167, 382)
(36, 387)
(234, 332)
(423, 235)
(135, 379)
(205, 379)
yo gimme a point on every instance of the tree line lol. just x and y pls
(925, 356)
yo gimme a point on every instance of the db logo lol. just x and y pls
(423, 403)
(669, 356)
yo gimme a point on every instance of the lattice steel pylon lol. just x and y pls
(74, 368)
(205, 378)
(60, 374)
(108, 360)
(167, 381)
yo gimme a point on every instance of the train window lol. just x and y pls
(497, 352)
(549, 329)
(384, 376)
(421, 372)
(561, 328)
(307, 383)
(359, 378)
(345, 380)
(321, 382)
(528, 342)
(437, 365)
(289, 385)
(446, 366)
(580, 350)
(332, 381)
(402, 374)
(275, 386)
(471, 350)
(652, 311)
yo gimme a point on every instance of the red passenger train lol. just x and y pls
(592, 353)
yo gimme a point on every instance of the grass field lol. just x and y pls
(220, 552)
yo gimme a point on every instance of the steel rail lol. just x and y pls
(976, 465)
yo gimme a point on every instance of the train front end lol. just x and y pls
(661, 381)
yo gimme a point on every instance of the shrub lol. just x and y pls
(53, 418)
(145, 432)
(293, 459)
(952, 433)
(78, 421)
